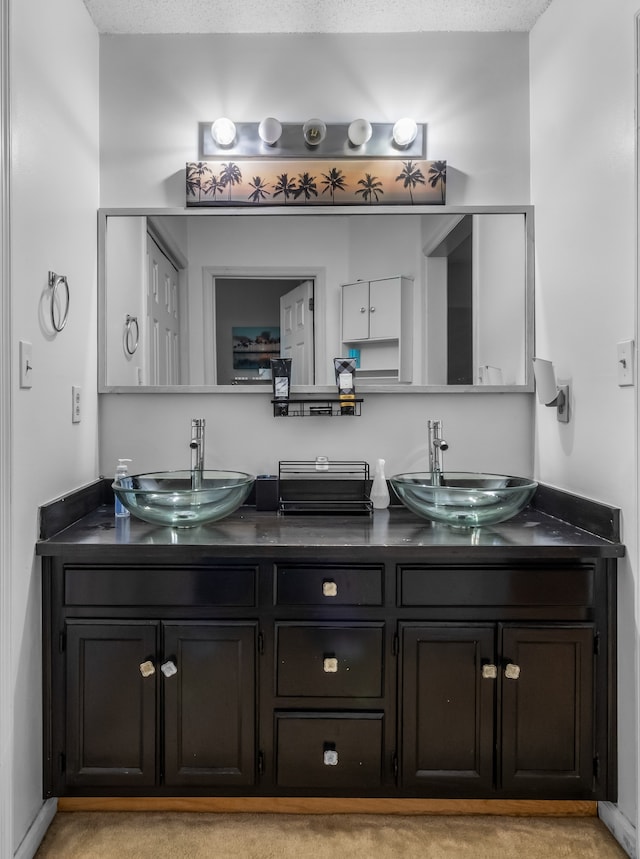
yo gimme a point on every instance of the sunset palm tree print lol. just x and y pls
(259, 189)
(371, 187)
(438, 176)
(411, 176)
(231, 175)
(285, 186)
(306, 186)
(333, 181)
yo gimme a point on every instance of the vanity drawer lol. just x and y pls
(329, 660)
(160, 586)
(555, 585)
(300, 585)
(329, 750)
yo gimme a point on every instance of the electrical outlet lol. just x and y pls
(26, 364)
(76, 404)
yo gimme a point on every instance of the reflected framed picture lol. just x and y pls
(254, 346)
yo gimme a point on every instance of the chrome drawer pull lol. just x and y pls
(330, 665)
(512, 672)
(489, 672)
(330, 758)
(147, 668)
(329, 589)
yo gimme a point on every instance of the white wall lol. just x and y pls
(472, 90)
(54, 186)
(583, 65)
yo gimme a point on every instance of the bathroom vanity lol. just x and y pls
(358, 656)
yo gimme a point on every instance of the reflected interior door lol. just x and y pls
(163, 320)
(296, 332)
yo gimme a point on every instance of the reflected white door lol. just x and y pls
(296, 332)
(163, 322)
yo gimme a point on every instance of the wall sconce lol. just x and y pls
(549, 392)
(359, 132)
(270, 130)
(405, 131)
(223, 131)
(314, 131)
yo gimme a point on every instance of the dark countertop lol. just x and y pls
(247, 533)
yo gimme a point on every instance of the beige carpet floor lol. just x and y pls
(174, 835)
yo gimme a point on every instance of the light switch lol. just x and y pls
(625, 363)
(26, 364)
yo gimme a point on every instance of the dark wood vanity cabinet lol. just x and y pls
(128, 680)
(510, 706)
(355, 673)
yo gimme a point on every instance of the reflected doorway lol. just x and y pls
(257, 318)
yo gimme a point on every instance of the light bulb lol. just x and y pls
(270, 130)
(314, 131)
(405, 131)
(223, 131)
(359, 132)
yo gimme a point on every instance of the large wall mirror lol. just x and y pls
(424, 298)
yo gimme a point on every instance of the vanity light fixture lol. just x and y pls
(314, 131)
(405, 131)
(223, 131)
(270, 130)
(315, 138)
(549, 392)
(359, 132)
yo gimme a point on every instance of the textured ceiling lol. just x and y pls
(312, 16)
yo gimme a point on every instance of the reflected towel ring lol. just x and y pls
(131, 334)
(58, 320)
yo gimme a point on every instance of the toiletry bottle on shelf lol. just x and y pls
(122, 474)
(379, 488)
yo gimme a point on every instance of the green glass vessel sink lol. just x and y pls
(183, 499)
(464, 499)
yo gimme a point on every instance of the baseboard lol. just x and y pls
(620, 827)
(36, 832)
(331, 805)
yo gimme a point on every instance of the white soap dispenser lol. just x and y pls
(122, 474)
(379, 489)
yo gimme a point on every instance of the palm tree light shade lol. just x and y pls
(223, 131)
(359, 132)
(270, 130)
(314, 131)
(405, 131)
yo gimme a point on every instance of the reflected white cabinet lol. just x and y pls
(377, 319)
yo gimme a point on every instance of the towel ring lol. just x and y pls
(58, 320)
(131, 334)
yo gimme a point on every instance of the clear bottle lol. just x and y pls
(379, 489)
(122, 475)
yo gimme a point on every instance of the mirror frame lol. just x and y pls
(303, 390)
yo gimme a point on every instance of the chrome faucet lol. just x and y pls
(197, 446)
(437, 446)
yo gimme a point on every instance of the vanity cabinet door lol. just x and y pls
(448, 692)
(547, 681)
(209, 703)
(111, 703)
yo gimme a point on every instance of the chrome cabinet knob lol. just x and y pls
(169, 668)
(489, 672)
(372, 309)
(511, 671)
(330, 758)
(363, 310)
